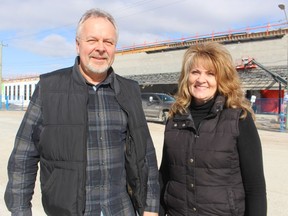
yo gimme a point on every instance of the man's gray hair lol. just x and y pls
(96, 13)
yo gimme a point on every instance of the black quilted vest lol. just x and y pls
(203, 165)
(62, 142)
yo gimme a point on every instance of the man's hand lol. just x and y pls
(150, 214)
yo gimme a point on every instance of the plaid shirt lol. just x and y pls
(106, 177)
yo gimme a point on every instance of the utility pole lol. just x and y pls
(1, 46)
(1, 96)
(282, 7)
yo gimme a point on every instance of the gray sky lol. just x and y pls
(38, 36)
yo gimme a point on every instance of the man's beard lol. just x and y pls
(98, 70)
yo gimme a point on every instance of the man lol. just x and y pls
(86, 126)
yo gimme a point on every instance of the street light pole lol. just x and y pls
(1, 45)
(282, 7)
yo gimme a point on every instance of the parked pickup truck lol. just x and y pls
(156, 106)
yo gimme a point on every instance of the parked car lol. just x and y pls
(156, 106)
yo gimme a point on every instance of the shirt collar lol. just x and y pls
(109, 80)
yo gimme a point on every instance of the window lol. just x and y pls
(30, 91)
(14, 92)
(145, 97)
(18, 92)
(9, 93)
(25, 92)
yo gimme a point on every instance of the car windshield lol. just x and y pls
(166, 98)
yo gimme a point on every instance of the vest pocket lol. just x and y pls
(59, 194)
(232, 204)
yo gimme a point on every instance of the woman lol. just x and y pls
(212, 156)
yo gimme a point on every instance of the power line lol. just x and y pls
(152, 8)
(38, 33)
(116, 11)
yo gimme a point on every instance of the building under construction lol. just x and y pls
(260, 56)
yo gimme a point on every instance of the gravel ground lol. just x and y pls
(275, 156)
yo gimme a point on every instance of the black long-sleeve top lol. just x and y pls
(251, 162)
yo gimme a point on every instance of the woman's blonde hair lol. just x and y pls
(215, 57)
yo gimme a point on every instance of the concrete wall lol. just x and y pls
(271, 52)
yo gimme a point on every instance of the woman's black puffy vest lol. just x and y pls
(202, 172)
